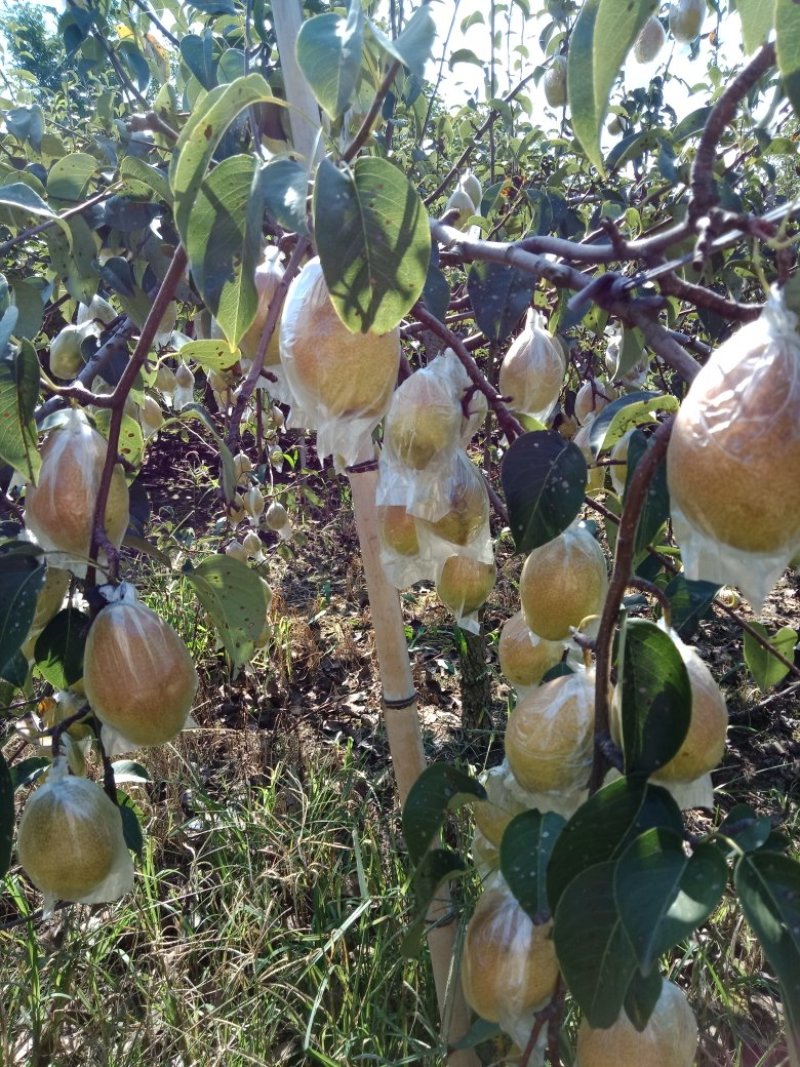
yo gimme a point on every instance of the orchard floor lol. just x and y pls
(272, 898)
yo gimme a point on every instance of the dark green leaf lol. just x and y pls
(745, 828)
(500, 296)
(143, 179)
(662, 894)
(19, 393)
(214, 7)
(434, 869)
(235, 600)
(768, 885)
(29, 299)
(767, 671)
(695, 122)
(75, 261)
(223, 243)
(329, 50)
(642, 997)
(127, 770)
(593, 950)
(525, 851)
(655, 507)
(544, 479)
(656, 698)
(59, 648)
(28, 770)
(284, 183)
(131, 827)
(68, 178)
(689, 603)
(21, 578)
(436, 294)
(198, 55)
(373, 240)
(26, 124)
(6, 816)
(439, 789)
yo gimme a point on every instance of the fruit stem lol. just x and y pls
(118, 397)
(620, 578)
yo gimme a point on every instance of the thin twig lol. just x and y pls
(157, 22)
(40, 227)
(366, 126)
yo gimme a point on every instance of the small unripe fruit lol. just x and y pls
(472, 187)
(555, 82)
(165, 379)
(686, 19)
(650, 41)
(184, 377)
(461, 202)
(97, 310)
(276, 517)
(619, 463)
(398, 530)
(242, 464)
(152, 416)
(592, 397)
(139, 676)
(251, 543)
(254, 502)
(236, 550)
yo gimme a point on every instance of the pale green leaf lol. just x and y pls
(214, 354)
(329, 50)
(236, 602)
(143, 179)
(757, 19)
(68, 178)
(787, 45)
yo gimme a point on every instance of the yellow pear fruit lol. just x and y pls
(346, 374)
(562, 583)
(555, 82)
(493, 815)
(650, 41)
(68, 837)
(59, 509)
(668, 1040)
(508, 965)
(465, 583)
(139, 675)
(592, 397)
(532, 370)
(525, 658)
(686, 19)
(550, 735)
(423, 421)
(397, 529)
(468, 500)
(734, 453)
(268, 276)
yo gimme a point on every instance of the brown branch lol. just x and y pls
(33, 231)
(270, 325)
(708, 299)
(118, 397)
(157, 23)
(623, 563)
(364, 129)
(151, 120)
(704, 195)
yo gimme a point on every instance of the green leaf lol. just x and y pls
(434, 869)
(767, 671)
(662, 894)
(414, 45)
(757, 19)
(235, 600)
(6, 816)
(284, 184)
(602, 827)
(28, 770)
(656, 698)
(689, 603)
(768, 885)
(26, 124)
(201, 135)
(642, 997)
(594, 953)
(439, 789)
(74, 261)
(19, 196)
(374, 242)
(30, 294)
(59, 648)
(19, 393)
(131, 826)
(213, 354)
(500, 295)
(787, 46)
(21, 578)
(198, 55)
(329, 50)
(655, 507)
(143, 179)
(126, 770)
(624, 413)
(223, 242)
(745, 828)
(68, 179)
(544, 479)
(525, 852)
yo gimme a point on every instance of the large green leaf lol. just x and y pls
(525, 851)
(787, 45)
(766, 670)
(768, 885)
(374, 242)
(143, 179)
(21, 577)
(594, 953)
(413, 46)
(656, 698)
(210, 354)
(284, 183)
(223, 242)
(235, 600)
(59, 648)
(329, 49)
(19, 392)
(689, 603)
(68, 177)
(500, 295)
(30, 295)
(544, 479)
(198, 55)
(439, 789)
(74, 261)
(201, 135)
(20, 197)
(601, 38)
(757, 20)
(6, 816)
(662, 894)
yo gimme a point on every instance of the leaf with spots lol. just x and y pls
(21, 577)
(544, 479)
(236, 602)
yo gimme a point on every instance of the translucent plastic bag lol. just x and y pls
(532, 371)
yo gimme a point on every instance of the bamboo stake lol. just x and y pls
(399, 699)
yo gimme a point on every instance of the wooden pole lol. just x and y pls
(399, 699)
